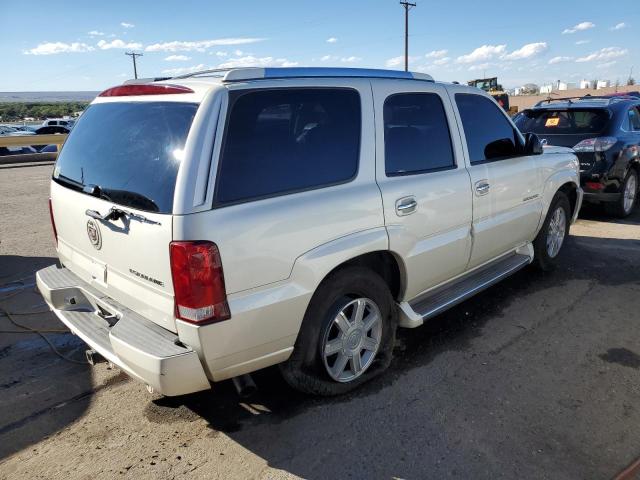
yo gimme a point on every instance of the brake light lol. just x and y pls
(594, 185)
(144, 89)
(198, 282)
(53, 222)
(599, 144)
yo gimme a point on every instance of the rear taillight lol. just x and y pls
(53, 223)
(599, 144)
(144, 89)
(198, 282)
(594, 185)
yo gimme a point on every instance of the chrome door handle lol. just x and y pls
(482, 187)
(406, 206)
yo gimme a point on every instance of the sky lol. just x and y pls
(73, 45)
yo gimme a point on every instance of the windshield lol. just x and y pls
(568, 122)
(131, 151)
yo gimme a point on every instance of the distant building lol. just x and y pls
(546, 88)
(602, 84)
(585, 84)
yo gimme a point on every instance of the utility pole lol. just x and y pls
(133, 56)
(407, 6)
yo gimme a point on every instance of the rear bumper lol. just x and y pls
(141, 348)
(599, 197)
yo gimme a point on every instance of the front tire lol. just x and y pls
(347, 334)
(552, 235)
(624, 206)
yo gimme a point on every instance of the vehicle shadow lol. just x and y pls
(35, 383)
(381, 432)
(597, 213)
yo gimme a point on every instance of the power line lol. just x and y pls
(133, 56)
(407, 6)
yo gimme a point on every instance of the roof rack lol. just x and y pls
(243, 74)
(219, 71)
(611, 98)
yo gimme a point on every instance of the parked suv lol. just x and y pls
(212, 225)
(605, 134)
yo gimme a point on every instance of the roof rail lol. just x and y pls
(611, 98)
(243, 74)
(220, 71)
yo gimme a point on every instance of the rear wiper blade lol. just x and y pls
(116, 213)
(96, 191)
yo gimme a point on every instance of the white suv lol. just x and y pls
(212, 225)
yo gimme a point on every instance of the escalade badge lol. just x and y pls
(93, 232)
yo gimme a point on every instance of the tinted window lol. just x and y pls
(634, 120)
(572, 122)
(280, 141)
(132, 151)
(489, 134)
(416, 134)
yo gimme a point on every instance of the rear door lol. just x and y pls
(507, 200)
(123, 156)
(425, 187)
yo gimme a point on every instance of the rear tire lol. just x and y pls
(628, 197)
(553, 233)
(334, 352)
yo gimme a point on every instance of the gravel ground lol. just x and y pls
(538, 377)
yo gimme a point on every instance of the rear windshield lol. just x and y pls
(571, 122)
(130, 150)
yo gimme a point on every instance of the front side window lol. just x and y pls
(416, 134)
(634, 120)
(286, 140)
(489, 134)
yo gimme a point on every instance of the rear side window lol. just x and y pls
(416, 134)
(490, 136)
(130, 150)
(286, 140)
(569, 122)
(634, 120)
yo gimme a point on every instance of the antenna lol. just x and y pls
(407, 6)
(133, 56)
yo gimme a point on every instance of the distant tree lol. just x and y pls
(631, 81)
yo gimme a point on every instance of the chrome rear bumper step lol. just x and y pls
(442, 298)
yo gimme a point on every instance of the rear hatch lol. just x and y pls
(566, 127)
(122, 157)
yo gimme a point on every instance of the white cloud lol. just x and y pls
(555, 60)
(437, 54)
(95, 33)
(351, 59)
(127, 25)
(200, 46)
(326, 58)
(185, 70)
(582, 42)
(332, 40)
(53, 48)
(399, 61)
(480, 66)
(221, 54)
(117, 43)
(485, 52)
(238, 53)
(619, 26)
(606, 65)
(442, 61)
(177, 58)
(527, 51)
(252, 61)
(579, 27)
(604, 54)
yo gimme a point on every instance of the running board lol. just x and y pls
(430, 304)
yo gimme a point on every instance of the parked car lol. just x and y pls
(58, 122)
(8, 130)
(5, 151)
(292, 217)
(605, 134)
(29, 129)
(49, 149)
(52, 130)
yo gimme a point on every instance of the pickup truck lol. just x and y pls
(215, 224)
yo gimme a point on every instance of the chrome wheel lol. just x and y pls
(556, 232)
(352, 340)
(629, 194)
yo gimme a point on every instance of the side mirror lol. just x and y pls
(532, 144)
